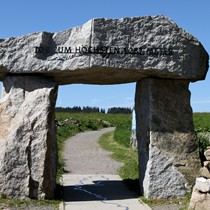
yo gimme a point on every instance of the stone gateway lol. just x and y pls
(152, 51)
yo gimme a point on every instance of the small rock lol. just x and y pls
(106, 123)
(199, 201)
(206, 164)
(202, 184)
(207, 154)
(181, 163)
(204, 172)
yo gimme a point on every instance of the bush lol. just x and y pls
(203, 138)
(202, 130)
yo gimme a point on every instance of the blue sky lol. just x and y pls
(25, 17)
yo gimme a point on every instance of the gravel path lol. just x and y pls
(92, 182)
(82, 154)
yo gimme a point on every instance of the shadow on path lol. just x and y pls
(100, 190)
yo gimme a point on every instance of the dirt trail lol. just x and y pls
(82, 154)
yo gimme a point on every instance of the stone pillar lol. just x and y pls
(168, 157)
(28, 155)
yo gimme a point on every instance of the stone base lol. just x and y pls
(28, 155)
(168, 157)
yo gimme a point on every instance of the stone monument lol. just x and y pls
(152, 51)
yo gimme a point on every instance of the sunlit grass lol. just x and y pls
(7, 203)
(129, 172)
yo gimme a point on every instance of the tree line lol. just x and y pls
(88, 109)
(119, 110)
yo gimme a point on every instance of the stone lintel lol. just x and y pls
(108, 51)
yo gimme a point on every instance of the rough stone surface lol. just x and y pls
(155, 36)
(28, 156)
(168, 157)
(206, 164)
(199, 201)
(202, 184)
(204, 172)
(207, 154)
